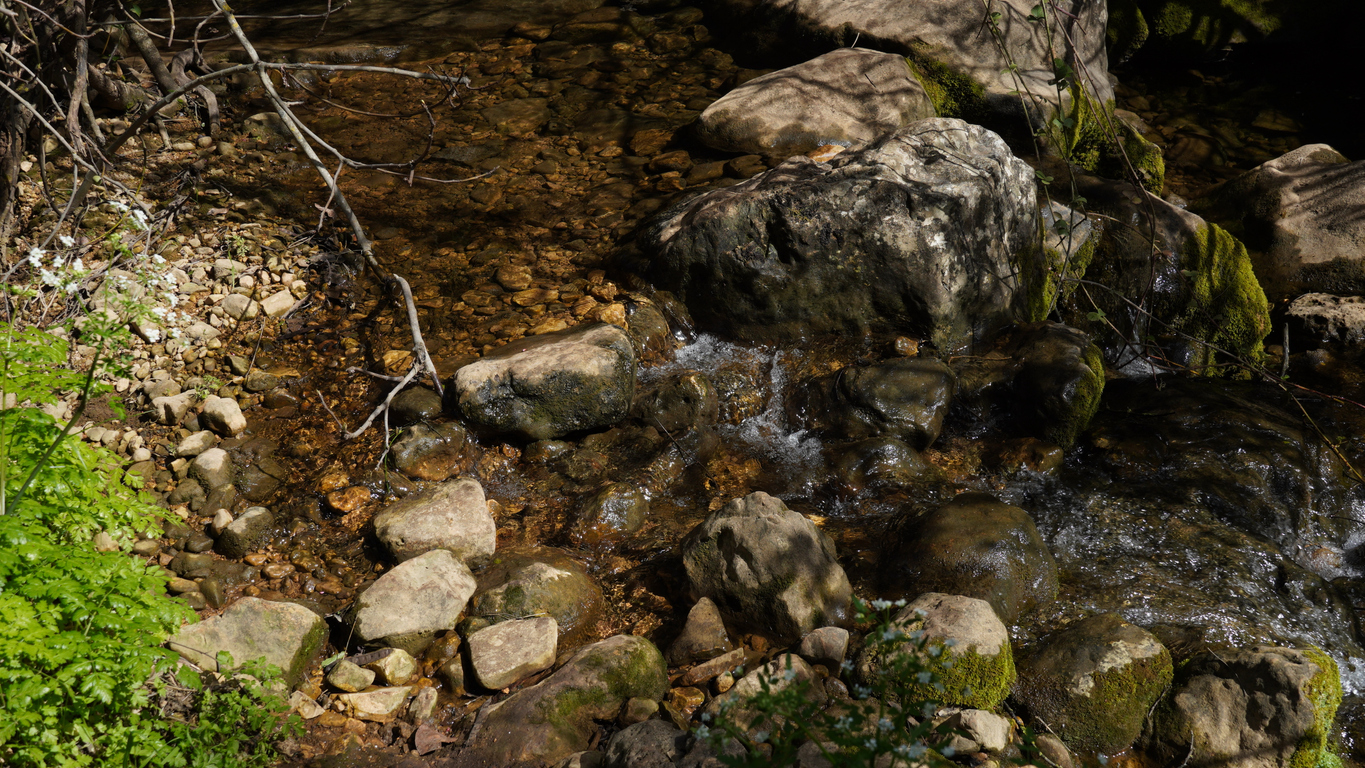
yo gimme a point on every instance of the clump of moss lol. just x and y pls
(1127, 30)
(953, 94)
(1064, 431)
(1099, 141)
(1209, 24)
(1225, 306)
(1324, 690)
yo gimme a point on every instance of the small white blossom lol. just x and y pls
(157, 259)
(67, 240)
(72, 287)
(35, 257)
(78, 265)
(50, 278)
(761, 736)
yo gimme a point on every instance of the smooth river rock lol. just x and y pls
(285, 635)
(538, 581)
(508, 651)
(451, 516)
(407, 606)
(905, 399)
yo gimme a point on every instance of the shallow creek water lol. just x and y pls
(571, 127)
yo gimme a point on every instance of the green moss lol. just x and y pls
(1099, 141)
(1210, 24)
(1127, 30)
(1225, 306)
(968, 679)
(1063, 432)
(953, 94)
(1324, 690)
(1044, 289)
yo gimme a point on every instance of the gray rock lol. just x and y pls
(196, 444)
(1298, 215)
(538, 581)
(223, 415)
(979, 547)
(422, 708)
(452, 516)
(162, 388)
(555, 718)
(414, 404)
(395, 667)
(849, 97)
(188, 492)
(612, 513)
(875, 240)
(277, 304)
(212, 468)
(1321, 319)
(989, 730)
(825, 645)
(877, 463)
(407, 606)
(1094, 681)
(350, 678)
(703, 636)
(260, 381)
(380, 705)
(284, 634)
(767, 567)
(508, 651)
(432, 451)
(650, 744)
(1262, 707)
(246, 533)
(679, 403)
(906, 399)
(172, 409)
(239, 307)
(549, 385)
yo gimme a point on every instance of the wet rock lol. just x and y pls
(1320, 320)
(1298, 215)
(703, 636)
(1263, 707)
(825, 645)
(755, 260)
(432, 452)
(285, 635)
(616, 511)
(246, 533)
(260, 381)
(350, 678)
(172, 409)
(550, 385)
(518, 115)
(650, 330)
(196, 444)
(650, 744)
(553, 719)
(905, 398)
(603, 25)
(877, 463)
(188, 492)
(538, 581)
(452, 516)
(223, 415)
(1094, 681)
(849, 97)
(768, 568)
(395, 668)
(509, 651)
(380, 706)
(721, 665)
(212, 468)
(257, 480)
(680, 402)
(954, 55)
(414, 404)
(422, 708)
(407, 606)
(978, 547)
(982, 663)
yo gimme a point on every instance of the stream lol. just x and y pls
(1205, 511)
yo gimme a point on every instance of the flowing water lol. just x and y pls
(1216, 528)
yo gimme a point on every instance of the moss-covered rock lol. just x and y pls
(1225, 306)
(1206, 25)
(536, 581)
(1094, 681)
(1263, 707)
(966, 649)
(551, 720)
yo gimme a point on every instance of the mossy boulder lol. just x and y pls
(557, 717)
(536, 581)
(1262, 707)
(1094, 681)
(975, 671)
(1202, 26)
(979, 547)
(767, 568)
(550, 385)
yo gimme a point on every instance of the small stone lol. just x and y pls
(415, 404)
(422, 708)
(380, 706)
(724, 682)
(349, 677)
(239, 365)
(304, 706)
(397, 668)
(147, 548)
(825, 645)
(212, 468)
(179, 586)
(171, 409)
(260, 381)
(514, 277)
(637, 710)
(223, 415)
(277, 304)
(703, 636)
(246, 533)
(194, 600)
(509, 651)
(713, 668)
(349, 499)
(140, 455)
(240, 307)
(221, 520)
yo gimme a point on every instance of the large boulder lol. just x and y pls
(549, 385)
(285, 635)
(1299, 216)
(890, 237)
(452, 516)
(850, 97)
(906, 399)
(966, 71)
(1263, 707)
(548, 722)
(1321, 319)
(1094, 681)
(407, 606)
(979, 547)
(538, 581)
(975, 670)
(768, 568)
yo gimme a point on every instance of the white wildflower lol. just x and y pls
(35, 257)
(50, 278)
(78, 265)
(72, 287)
(67, 240)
